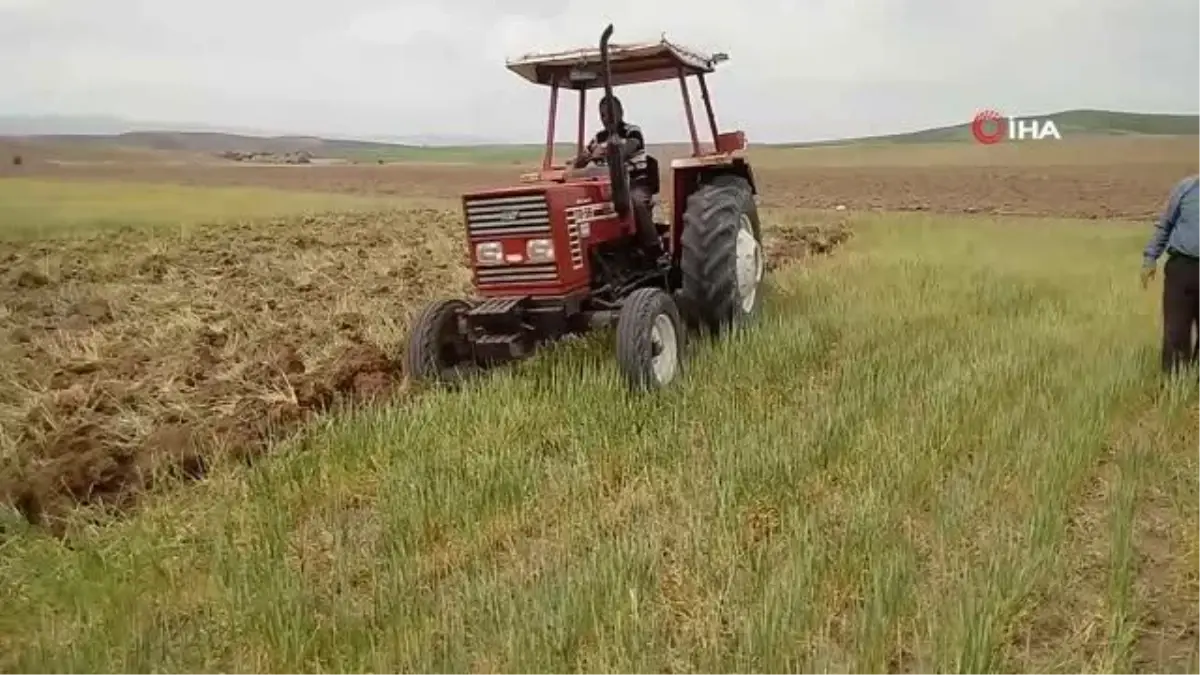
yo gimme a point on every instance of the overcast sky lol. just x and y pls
(798, 69)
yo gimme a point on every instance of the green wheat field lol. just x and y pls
(947, 447)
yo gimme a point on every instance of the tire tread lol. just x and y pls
(634, 323)
(421, 357)
(709, 241)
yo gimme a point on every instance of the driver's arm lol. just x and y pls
(582, 160)
(634, 141)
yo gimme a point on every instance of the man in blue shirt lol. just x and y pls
(1177, 233)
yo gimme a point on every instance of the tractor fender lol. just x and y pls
(688, 178)
(737, 167)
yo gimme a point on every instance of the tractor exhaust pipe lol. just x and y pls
(606, 74)
(618, 178)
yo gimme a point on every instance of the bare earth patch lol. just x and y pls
(814, 236)
(130, 358)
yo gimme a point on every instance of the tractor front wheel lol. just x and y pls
(437, 349)
(723, 263)
(649, 339)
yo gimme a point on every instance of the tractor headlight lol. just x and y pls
(539, 250)
(489, 253)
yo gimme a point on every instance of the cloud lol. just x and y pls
(798, 70)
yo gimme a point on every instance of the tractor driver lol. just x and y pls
(636, 163)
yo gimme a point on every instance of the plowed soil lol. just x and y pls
(129, 357)
(1075, 192)
(135, 361)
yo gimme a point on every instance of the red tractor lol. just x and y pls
(560, 254)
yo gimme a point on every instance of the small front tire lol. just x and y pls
(650, 339)
(437, 350)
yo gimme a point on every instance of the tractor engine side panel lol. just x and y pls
(594, 199)
(589, 206)
(587, 219)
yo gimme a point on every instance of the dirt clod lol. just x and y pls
(786, 246)
(30, 279)
(92, 311)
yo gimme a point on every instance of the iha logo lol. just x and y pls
(990, 127)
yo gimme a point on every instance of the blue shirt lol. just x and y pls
(1177, 230)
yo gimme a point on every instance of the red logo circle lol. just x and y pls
(989, 127)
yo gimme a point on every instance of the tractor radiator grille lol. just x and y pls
(520, 215)
(517, 274)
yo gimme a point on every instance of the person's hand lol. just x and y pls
(1148, 275)
(600, 151)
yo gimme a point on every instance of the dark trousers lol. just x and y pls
(639, 194)
(1181, 311)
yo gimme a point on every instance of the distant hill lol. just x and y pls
(217, 143)
(111, 137)
(105, 125)
(1069, 122)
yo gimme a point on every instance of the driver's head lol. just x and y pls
(617, 108)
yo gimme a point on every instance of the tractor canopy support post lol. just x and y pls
(687, 108)
(582, 121)
(708, 108)
(548, 158)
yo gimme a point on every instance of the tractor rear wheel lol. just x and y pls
(437, 350)
(649, 339)
(723, 263)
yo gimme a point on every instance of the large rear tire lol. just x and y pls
(437, 350)
(650, 339)
(723, 263)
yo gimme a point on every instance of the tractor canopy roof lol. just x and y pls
(629, 64)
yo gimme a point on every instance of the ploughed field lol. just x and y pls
(175, 322)
(136, 355)
(1105, 178)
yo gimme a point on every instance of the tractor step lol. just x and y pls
(497, 316)
(489, 340)
(497, 307)
(500, 347)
